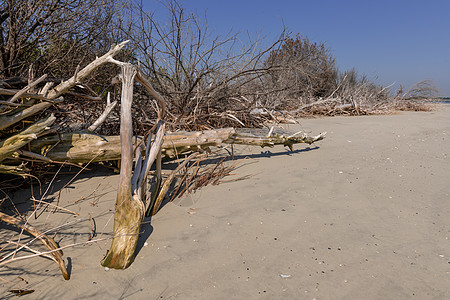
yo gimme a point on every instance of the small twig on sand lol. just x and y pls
(71, 180)
(56, 206)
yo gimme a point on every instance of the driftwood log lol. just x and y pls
(86, 147)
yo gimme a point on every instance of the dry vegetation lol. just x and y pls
(207, 82)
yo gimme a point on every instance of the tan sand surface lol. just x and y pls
(364, 214)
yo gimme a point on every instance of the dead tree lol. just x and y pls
(130, 201)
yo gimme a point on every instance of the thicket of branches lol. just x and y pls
(208, 81)
(53, 36)
(305, 69)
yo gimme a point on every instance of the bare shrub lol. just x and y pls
(50, 33)
(417, 96)
(306, 81)
(360, 92)
(421, 90)
(57, 38)
(301, 70)
(204, 79)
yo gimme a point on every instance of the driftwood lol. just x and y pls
(12, 144)
(27, 88)
(20, 170)
(47, 241)
(109, 107)
(130, 201)
(85, 147)
(129, 209)
(60, 89)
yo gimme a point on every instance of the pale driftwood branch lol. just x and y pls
(6, 120)
(126, 126)
(155, 153)
(12, 144)
(46, 87)
(150, 158)
(12, 92)
(47, 241)
(61, 88)
(109, 107)
(20, 170)
(148, 86)
(27, 88)
(66, 85)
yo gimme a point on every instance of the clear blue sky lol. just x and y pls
(402, 41)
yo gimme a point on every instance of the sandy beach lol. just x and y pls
(364, 214)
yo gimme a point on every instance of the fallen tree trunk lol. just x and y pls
(85, 147)
(245, 137)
